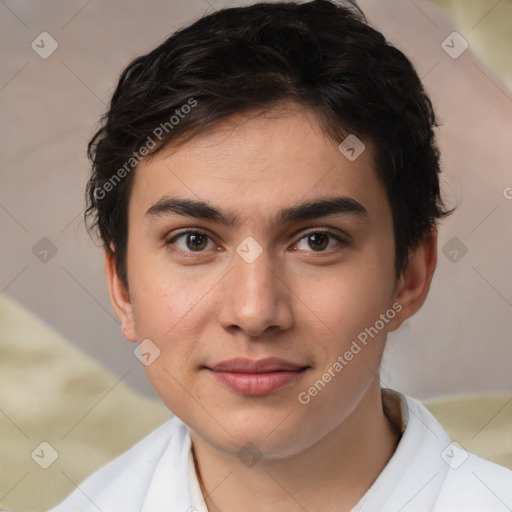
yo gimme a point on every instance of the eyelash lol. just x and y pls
(342, 242)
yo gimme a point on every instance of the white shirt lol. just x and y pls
(197, 501)
(426, 473)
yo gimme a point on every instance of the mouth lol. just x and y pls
(256, 377)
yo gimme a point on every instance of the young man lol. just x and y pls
(266, 188)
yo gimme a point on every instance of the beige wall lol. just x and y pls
(460, 340)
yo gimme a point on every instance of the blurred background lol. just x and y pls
(60, 342)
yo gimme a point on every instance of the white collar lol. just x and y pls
(396, 410)
(413, 477)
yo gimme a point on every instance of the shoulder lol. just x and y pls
(123, 481)
(476, 485)
(471, 484)
(457, 480)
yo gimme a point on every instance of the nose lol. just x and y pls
(255, 298)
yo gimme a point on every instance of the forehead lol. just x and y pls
(253, 166)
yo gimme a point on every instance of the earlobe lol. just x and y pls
(119, 298)
(414, 283)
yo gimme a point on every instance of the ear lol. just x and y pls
(414, 283)
(119, 298)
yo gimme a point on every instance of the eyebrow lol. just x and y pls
(304, 211)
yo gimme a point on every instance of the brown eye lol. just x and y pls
(196, 241)
(190, 241)
(318, 241)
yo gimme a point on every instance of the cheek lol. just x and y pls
(346, 301)
(164, 296)
(166, 312)
(351, 336)
(170, 313)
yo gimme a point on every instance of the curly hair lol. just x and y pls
(318, 54)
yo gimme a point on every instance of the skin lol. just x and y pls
(294, 302)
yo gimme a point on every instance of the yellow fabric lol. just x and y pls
(47, 387)
(487, 27)
(482, 424)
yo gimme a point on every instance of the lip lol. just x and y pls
(256, 377)
(244, 365)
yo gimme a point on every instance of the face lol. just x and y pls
(258, 254)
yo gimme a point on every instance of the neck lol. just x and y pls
(333, 474)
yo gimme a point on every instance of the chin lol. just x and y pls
(252, 435)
